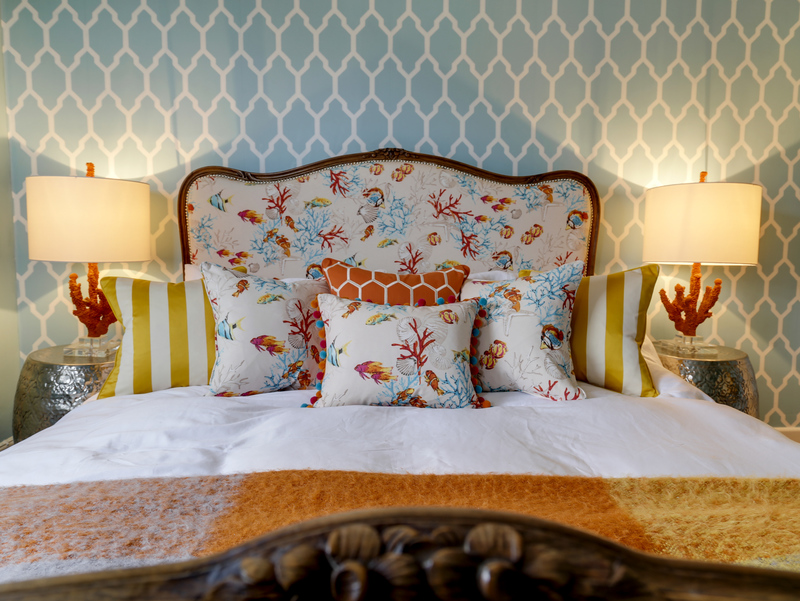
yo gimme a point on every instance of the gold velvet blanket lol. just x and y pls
(95, 525)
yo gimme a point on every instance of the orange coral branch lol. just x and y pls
(93, 311)
(684, 311)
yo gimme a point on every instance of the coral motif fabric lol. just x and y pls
(380, 287)
(524, 342)
(397, 355)
(265, 332)
(396, 216)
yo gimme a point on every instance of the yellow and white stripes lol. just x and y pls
(609, 322)
(168, 337)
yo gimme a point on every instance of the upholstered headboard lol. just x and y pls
(389, 210)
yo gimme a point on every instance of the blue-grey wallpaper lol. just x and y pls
(635, 93)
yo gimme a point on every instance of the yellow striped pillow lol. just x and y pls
(168, 337)
(609, 321)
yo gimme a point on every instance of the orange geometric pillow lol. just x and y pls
(377, 287)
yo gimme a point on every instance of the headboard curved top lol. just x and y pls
(386, 210)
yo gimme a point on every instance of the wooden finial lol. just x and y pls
(89, 169)
(703, 175)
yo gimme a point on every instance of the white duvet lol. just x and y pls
(182, 432)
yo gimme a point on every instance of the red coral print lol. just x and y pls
(301, 325)
(562, 260)
(415, 351)
(448, 208)
(569, 297)
(339, 183)
(469, 245)
(277, 202)
(335, 233)
(409, 264)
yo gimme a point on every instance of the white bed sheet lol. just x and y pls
(182, 432)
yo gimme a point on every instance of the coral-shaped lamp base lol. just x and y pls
(684, 311)
(93, 311)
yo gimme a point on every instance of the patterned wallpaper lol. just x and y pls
(633, 93)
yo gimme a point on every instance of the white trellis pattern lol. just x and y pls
(634, 93)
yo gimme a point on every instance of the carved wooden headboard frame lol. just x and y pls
(390, 210)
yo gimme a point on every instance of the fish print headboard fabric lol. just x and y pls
(387, 210)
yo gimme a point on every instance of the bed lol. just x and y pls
(393, 374)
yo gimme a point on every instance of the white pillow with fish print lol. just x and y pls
(266, 334)
(397, 354)
(524, 342)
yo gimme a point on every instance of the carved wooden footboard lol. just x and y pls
(443, 554)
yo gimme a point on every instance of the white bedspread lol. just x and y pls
(180, 432)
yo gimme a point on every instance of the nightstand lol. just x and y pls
(727, 376)
(50, 385)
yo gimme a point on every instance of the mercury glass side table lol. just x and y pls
(726, 376)
(51, 385)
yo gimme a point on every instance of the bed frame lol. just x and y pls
(401, 211)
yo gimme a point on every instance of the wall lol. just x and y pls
(9, 326)
(635, 94)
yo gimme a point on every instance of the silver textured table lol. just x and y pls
(50, 385)
(727, 377)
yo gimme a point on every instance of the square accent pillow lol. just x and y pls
(167, 339)
(524, 341)
(356, 283)
(397, 355)
(609, 323)
(266, 333)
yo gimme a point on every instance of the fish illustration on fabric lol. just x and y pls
(270, 298)
(503, 259)
(552, 337)
(533, 233)
(224, 252)
(314, 272)
(448, 316)
(376, 371)
(497, 204)
(218, 202)
(270, 234)
(400, 173)
(304, 378)
(376, 169)
(240, 269)
(235, 261)
(334, 352)
(374, 196)
(446, 265)
(462, 355)
(379, 318)
(351, 260)
(417, 401)
(402, 396)
(506, 232)
(225, 328)
(482, 218)
(241, 286)
(303, 178)
(514, 296)
(434, 238)
(368, 232)
(496, 350)
(251, 216)
(315, 354)
(576, 218)
(387, 242)
(290, 224)
(548, 192)
(292, 369)
(284, 243)
(317, 202)
(432, 380)
(351, 308)
(269, 344)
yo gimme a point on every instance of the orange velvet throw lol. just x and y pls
(752, 521)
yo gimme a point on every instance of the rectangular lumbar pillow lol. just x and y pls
(267, 337)
(524, 341)
(356, 283)
(168, 336)
(609, 323)
(378, 354)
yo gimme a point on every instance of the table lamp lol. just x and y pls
(89, 220)
(690, 224)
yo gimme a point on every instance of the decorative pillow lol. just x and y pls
(355, 283)
(168, 336)
(609, 322)
(524, 342)
(397, 355)
(266, 334)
